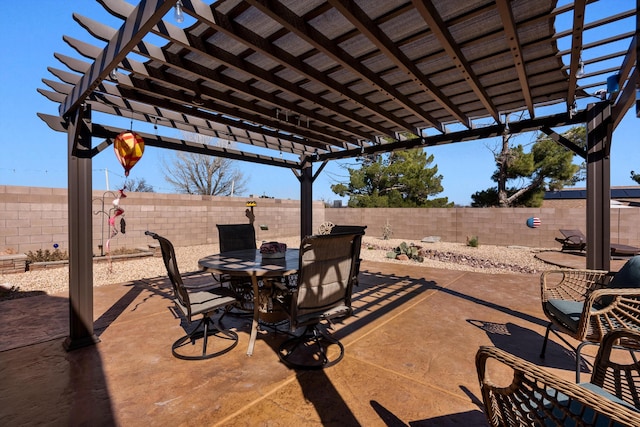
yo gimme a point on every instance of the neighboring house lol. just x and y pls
(577, 197)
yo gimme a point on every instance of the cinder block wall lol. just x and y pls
(33, 218)
(504, 227)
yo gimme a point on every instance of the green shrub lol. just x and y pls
(46, 255)
(473, 242)
(386, 231)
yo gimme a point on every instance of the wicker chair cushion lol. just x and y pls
(594, 388)
(627, 277)
(567, 312)
(585, 414)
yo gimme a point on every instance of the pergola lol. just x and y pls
(295, 84)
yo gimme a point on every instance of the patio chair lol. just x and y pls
(359, 231)
(205, 303)
(535, 396)
(575, 240)
(623, 251)
(235, 237)
(323, 294)
(586, 304)
(572, 240)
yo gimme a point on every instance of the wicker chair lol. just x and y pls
(536, 397)
(616, 372)
(586, 304)
(197, 302)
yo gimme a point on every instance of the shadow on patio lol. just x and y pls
(409, 358)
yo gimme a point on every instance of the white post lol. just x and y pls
(106, 177)
(233, 183)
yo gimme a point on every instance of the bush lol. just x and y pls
(473, 242)
(46, 255)
(386, 231)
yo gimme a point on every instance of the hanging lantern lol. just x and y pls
(129, 147)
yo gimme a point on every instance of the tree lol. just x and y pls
(396, 179)
(137, 185)
(635, 177)
(547, 166)
(193, 173)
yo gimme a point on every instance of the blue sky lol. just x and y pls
(34, 155)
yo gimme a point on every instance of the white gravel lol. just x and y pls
(485, 258)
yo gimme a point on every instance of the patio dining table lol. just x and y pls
(250, 263)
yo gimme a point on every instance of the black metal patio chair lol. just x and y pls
(199, 302)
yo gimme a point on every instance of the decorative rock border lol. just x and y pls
(55, 264)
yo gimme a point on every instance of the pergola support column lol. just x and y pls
(80, 231)
(599, 133)
(306, 200)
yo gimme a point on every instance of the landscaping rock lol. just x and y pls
(431, 239)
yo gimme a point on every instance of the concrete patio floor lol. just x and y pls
(409, 357)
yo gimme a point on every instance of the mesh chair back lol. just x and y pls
(169, 258)
(235, 237)
(327, 263)
(359, 231)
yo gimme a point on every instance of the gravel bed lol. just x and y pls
(443, 255)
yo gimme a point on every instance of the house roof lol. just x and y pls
(290, 82)
(617, 193)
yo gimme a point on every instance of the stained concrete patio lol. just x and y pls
(410, 348)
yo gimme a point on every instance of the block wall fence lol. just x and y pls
(33, 218)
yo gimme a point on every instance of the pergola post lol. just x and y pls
(306, 200)
(599, 132)
(80, 231)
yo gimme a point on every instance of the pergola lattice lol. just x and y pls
(298, 83)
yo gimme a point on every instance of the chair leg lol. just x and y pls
(579, 358)
(311, 338)
(205, 336)
(544, 343)
(208, 330)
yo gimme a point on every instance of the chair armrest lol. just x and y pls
(616, 374)
(623, 312)
(570, 284)
(538, 397)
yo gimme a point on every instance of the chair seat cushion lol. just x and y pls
(568, 312)
(206, 301)
(332, 313)
(628, 276)
(588, 415)
(612, 397)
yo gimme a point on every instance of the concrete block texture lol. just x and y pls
(37, 218)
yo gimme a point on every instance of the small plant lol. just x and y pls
(412, 252)
(124, 251)
(473, 241)
(386, 231)
(46, 255)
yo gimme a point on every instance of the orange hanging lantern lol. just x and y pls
(129, 147)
